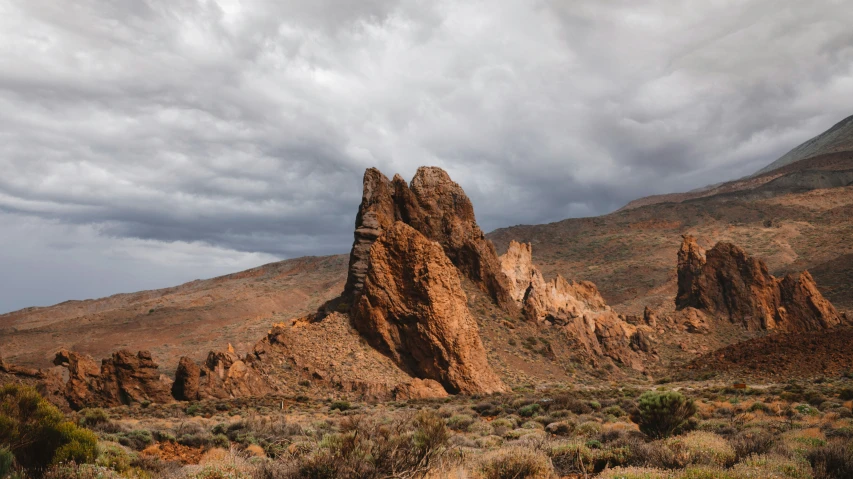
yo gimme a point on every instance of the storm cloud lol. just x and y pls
(145, 143)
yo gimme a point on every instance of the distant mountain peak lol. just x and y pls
(838, 138)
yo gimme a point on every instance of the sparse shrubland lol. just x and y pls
(697, 432)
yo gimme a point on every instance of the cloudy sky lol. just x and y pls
(148, 143)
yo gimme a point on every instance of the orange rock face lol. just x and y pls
(187, 378)
(438, 208)
(445, 214)
(726, 281)
(413, 309)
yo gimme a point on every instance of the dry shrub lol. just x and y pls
(772, 466)
(80, 471)
(635, 473)
(516, 463)
(702, 448)
(570, 403)
(752, 442)
(832, 461)
(365, 448)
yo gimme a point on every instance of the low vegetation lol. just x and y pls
(798, 430)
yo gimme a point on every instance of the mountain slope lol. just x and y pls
(824, 161)
(631, 254)
(190, 319)
(838, 138)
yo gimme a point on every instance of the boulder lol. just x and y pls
(187, 377)
(419, 389)
(133, 378)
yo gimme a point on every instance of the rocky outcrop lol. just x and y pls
(83, 375)
(124, 378)
(542, 299)
(727, 281)
(413, 309)
(227, 375)
(187, 379)
(15, 370)
(577, 307)
(376, 213)
(223, 375)
(438, 208)
(445, 214)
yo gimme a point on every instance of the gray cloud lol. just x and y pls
(238, 130)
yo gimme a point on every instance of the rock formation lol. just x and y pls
(222, 376)
(403, 292)
(18, 370)
(576, 306)
(376, 213)
(553, 299)
(726, 281)
(413, 309)
(123, 378)
(187, 379)
(438, 208)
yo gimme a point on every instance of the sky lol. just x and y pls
(145, 143)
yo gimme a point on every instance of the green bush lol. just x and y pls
(79, 445)
(7, 461)
(340, 406)
(137, 439)
(460, 422)
(614, 411)
(37, 434)
(662, 414)
(113, 457)
(93, 417)
(529, 410)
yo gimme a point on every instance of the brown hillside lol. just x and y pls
(780, 357)
(190, 319)
(629, 254)
(823, 171)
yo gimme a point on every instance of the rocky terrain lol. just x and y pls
(424, 306)
(425, 353)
